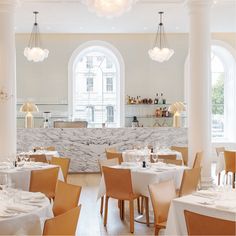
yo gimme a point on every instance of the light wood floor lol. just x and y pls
(91, 222)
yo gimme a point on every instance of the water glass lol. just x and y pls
(3, 181)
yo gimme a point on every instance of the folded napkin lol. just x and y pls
(30, 195)
(129, 164)
(225, 205)
(206, 193)
(18, 207)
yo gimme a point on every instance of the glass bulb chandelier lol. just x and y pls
(109, 8)
(34, 52)
(160, 52)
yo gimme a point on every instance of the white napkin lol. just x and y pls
(30, 195)
(129, 164)
(206, 193)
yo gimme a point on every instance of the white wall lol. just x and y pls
(47, 81)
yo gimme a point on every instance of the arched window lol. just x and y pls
(223, 80)
(96, 72)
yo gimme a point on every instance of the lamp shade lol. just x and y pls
(29, 107)
(176, 107)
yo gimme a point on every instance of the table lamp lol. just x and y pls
(28, 108)
(176, 108)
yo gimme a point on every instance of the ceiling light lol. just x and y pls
(160, 52)
(109, 8)
(34, 52)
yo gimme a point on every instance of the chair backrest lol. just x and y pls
(230, 161)
(219, 150)
(64, 163)
(183, 151)
(161, 196)
(198, 160)
(205, 225)
(108, 162)
(118, 182)
(112, 153)
(174, 162)
(38, 158)
(64, 224)
(190, 181)
(49, 148)
(66, 197)
(169, 157)
(44, 181)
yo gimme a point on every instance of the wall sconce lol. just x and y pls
(28, 108)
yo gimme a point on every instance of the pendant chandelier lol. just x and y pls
(109, 8)
(160, 52)
(34, 52)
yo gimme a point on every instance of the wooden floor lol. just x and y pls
(91, 222)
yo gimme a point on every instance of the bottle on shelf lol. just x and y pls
(163, 100)
(156, 99)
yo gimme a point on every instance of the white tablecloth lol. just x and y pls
(20, 176)
(48, 154)
(142, 177)
(218, 204)
(30, 222)
(131, 155)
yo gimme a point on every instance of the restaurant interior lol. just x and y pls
(117, 117)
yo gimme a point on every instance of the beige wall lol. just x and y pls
(47, 81)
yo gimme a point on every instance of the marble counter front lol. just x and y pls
(85, 146)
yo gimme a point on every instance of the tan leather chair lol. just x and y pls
(230, 164)
(219, 150)
(161, 196)
(205, 225)
(198, 160)
(190, 181)
(112, 153)
(174, 162)
(49, 148)
(119, 186)
(38, 158)
(109, 162)
(44, 181)
(66, 197)
(64, 163)
(167, 157)
(64, 224)
(183, 151)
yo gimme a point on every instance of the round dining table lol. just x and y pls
(23, 213)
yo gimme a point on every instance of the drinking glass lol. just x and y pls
(154, 158)
(3, 181)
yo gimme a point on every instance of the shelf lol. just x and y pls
(149, 117)
(148, 104)
(47, 104)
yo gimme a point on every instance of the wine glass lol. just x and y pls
(154, 158)
(3, 181)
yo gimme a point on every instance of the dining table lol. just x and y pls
(139, 154)
(23, 213)
(218, 203)
(48, 154)
(19, 176)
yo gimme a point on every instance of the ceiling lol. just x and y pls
(71, 16)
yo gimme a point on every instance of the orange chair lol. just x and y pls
(219, 150)
(64, 163)
(66, 197)
(106, 162)
(167, 157)
(190, 181)
(230, 164)
(183, 151)
(44, 181)
(112, 153)
(119, 186)
(64, 224)
(205, 225)
(38, 158)
(49, 148)
(198, 160)
(161, 196)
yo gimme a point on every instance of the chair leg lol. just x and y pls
(122, 209)
(106, 211)
(234, 179)
(142, 205)
(219, 179)
(147, 210)
(101, 205)
(157, 229)
(138, 204)
(131, 215)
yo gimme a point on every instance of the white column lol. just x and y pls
(199, 84)
(7, 80)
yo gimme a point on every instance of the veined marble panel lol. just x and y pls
(86, 146)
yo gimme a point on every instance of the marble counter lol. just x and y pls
(86, 146)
